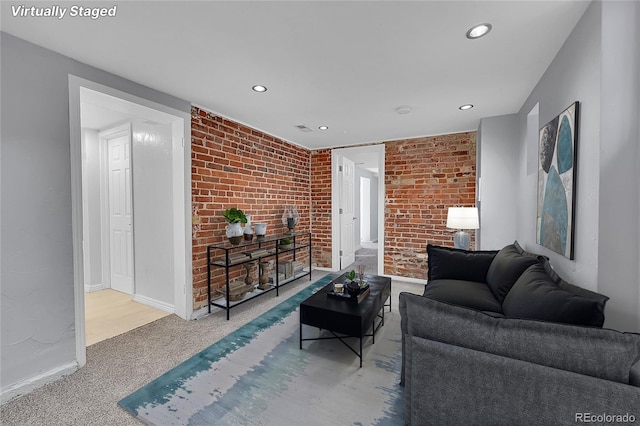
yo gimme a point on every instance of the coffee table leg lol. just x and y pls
(361, 352)
(300, 336)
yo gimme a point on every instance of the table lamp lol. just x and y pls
(462, 218)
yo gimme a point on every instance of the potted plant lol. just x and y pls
(235, 217)
(285, 244)
(350, 276)
(353, 288)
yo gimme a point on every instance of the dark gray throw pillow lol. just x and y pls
(599, 299)
(535, 295)
(505, 269)
(528, 253)
(456, 264)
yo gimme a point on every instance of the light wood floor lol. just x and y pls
(109, 313)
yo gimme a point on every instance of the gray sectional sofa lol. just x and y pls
(475, 351)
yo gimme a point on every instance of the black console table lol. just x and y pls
(227, 256)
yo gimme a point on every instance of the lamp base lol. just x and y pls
(462, 240)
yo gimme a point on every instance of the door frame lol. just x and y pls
(182, 248)
(379, 149)
(105, 226)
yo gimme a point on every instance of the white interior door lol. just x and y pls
(120, 212)
(346, 176)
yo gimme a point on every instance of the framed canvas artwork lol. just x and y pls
(557, 155)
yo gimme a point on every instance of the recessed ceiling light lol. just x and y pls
(478, 31)
(403, 109)
(465, 107)
(259, 88)
(323, 127)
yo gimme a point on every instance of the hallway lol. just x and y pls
(368, 256)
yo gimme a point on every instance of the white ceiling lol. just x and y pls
(344, 64)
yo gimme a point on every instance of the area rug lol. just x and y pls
(258, 375)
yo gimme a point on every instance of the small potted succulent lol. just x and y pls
(285, 244)
(235, 217)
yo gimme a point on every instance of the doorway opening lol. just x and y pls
(363, 242)
(131, 202)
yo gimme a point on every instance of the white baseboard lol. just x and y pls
(154, 303)
(407, 279)
(94, 287)
(26, 386)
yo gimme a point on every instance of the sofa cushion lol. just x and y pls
(536, 296)
(505, 270)
(597, 352)
(598, 298)
(457, 264)
(528, 253)
(475, 295)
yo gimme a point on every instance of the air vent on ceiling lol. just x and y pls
(303, 128)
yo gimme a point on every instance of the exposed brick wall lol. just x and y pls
(424, 176)
(321, 207)
(235, 166)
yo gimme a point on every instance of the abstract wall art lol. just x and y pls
(557, 155)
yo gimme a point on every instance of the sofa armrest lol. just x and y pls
(455, 385)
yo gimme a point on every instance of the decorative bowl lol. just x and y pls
(353, 288)
(237, 293)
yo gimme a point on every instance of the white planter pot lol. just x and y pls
(261, 229)
(234, 233)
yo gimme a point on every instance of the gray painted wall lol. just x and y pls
(574, 75)
(619, 218)
(497, 207)
(92, 237)
(153, 221)
(599, 67)
(38, 330)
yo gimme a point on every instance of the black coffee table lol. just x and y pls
(344, 317)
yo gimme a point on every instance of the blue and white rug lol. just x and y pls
(258, 375)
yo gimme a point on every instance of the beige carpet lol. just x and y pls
(118, 366)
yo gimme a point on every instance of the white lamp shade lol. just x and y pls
(463, 218)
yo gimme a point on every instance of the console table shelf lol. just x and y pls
(227, 256)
